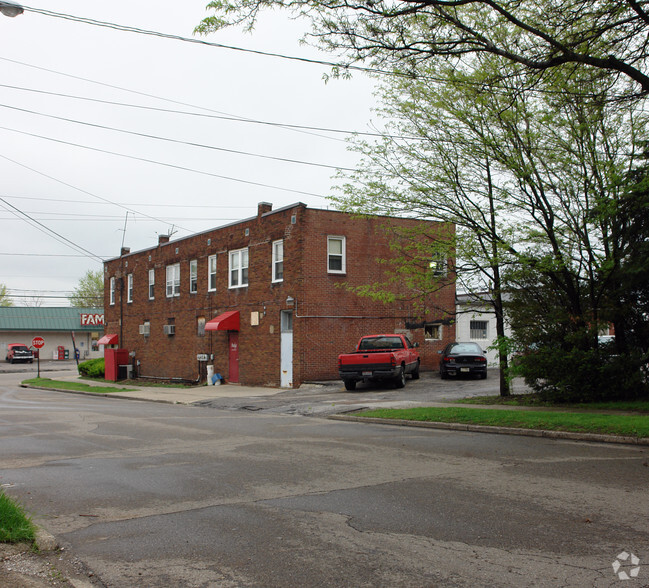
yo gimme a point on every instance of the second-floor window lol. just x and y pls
(112, 291)
(438, 265)
(211, 273)
(278, 261)
(173, 280)
(193, 276)
(151, 283)
(238, 268)
(129, 288)
(336, 263)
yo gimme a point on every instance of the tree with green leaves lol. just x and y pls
(4, 296)
(89, 292)
(537, 38)
(533, 181)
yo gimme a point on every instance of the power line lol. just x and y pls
(129, 29)
(337, 66)
(136, 92)
(218, 206)
(170, 165)
(48, 255)
(41, 227)
(177, 141)
(232, 118)
(71, 185)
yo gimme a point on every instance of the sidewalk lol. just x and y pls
(169, 395)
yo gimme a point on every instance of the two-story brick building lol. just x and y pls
(266, 300)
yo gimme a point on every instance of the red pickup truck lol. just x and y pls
(380, 357)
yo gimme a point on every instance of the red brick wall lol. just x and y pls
(326, 295)
(317, 341)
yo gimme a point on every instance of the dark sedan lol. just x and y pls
(463, 359)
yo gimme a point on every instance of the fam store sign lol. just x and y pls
(88, 319)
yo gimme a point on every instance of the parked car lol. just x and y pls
(380, 357)
(463, 359)
(19, 352)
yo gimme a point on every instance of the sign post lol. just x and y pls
(38, 343)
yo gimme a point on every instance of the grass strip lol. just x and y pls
(641, 406)
(78, 386)
(606, 424)
(15, 525)
(142, 383)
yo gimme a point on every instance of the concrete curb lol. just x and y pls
(45, 541)
(567, 435)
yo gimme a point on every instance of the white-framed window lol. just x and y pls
(238, 268)
(433, 331)
(193, 276)
(151, 283)
(478, 329)
(173, 280)
(278, 261)
(211, 273)
(129, 288)
(336, 258)
(438, 265)
(112, 291)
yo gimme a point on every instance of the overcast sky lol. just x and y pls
(60, 173)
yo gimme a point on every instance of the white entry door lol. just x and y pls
(286, 361)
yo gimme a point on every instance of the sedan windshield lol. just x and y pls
(460, 348)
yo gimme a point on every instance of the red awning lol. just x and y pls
(228, 321)
(108, 340)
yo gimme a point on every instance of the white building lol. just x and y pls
(64, 329)
(476, 321)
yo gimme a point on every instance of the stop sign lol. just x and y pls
(38, 342)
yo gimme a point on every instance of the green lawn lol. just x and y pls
(608, 424)
(15, 525)
(79, 386)
(534, 400)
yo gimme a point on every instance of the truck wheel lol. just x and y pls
(350, 384)
(415, 374)
(443, 375)
(400, 380)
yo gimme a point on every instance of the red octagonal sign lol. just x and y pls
(38, 342)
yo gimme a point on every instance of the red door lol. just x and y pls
(233, 341)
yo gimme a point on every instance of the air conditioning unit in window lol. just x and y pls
(145, 329)
(169, 329)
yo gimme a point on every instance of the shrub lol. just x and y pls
(93, 368)
(565, 373)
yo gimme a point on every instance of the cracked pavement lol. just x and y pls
(248, 492)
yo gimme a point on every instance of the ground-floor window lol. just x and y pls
(433, 331)
(478, 329)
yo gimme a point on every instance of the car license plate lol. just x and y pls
(369, 374)
(465, 369)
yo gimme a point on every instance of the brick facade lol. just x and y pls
(327, 319)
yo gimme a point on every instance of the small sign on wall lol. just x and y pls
(202, 357)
